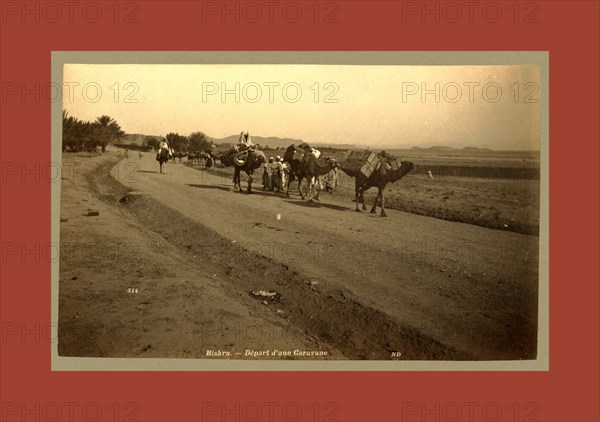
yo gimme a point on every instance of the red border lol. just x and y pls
(568, 392)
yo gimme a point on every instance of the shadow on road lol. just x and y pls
(224, 188)
(315, 204)
(255, 191)
(269, 193)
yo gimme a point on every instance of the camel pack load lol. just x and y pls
(367, 162)
(360, 162)
(297, 153)
(235, 156)
(395, 163)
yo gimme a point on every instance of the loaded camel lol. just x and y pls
(314, 171)
(379, 179)
(310, 168)
(247, 161)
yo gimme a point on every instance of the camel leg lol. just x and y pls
(383, 214)
(249, 183)
(237, 180)
(287, 192)
(293, 176)
(357, 198)
(300, 187)
(374, 209)
(362, 199)
(318, 187)
(310, 191)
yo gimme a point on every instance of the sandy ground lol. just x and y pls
(353, 284)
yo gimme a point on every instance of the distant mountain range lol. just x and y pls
(276, 142)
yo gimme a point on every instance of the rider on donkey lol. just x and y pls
(163, 145)
(163, 155)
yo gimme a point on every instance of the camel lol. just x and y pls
(254, 159)
(314, 171)
(379, 179)
(179, 155)
(192, 158)
(307, 169)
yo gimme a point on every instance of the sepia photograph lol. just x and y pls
(228, 209)
(299, 211)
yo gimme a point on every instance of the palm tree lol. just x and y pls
(72, 132)
(110, 130)
(67, 128)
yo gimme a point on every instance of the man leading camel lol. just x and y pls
(278, 174)
(267, 174)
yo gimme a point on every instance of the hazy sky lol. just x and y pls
(368, 105)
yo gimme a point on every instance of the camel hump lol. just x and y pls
(293, 153)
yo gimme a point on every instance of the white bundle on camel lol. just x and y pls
(238, 154)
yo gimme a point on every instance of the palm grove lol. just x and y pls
(87, 136)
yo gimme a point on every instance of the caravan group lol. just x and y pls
(307, 163)
(275, 174)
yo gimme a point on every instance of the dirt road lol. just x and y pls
(352, 283)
